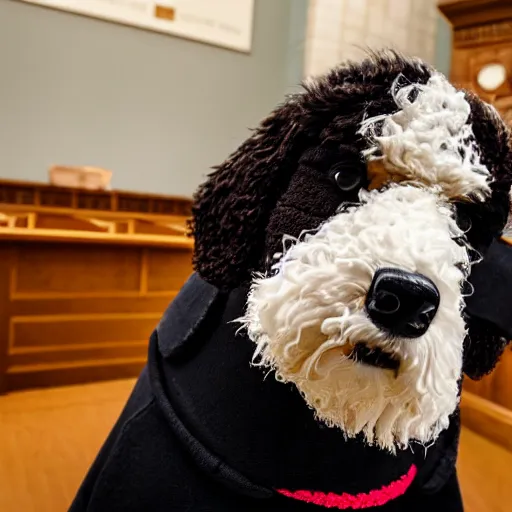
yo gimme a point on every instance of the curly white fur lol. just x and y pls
(429, 140)
(305, 318)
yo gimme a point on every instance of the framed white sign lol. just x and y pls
(226, 23)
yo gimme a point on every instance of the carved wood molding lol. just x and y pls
(469, 13)
(490, 33)
(482, 48)
(42, 195)
(35, 211)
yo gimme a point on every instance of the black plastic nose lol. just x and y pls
(402, 303)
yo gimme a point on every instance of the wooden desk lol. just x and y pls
(81, 289)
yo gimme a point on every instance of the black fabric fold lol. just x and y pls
(492, 283)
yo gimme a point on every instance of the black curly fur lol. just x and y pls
(232, 206)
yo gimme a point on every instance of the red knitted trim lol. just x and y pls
(363, 500)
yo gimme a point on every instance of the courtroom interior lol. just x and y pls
(109, 122)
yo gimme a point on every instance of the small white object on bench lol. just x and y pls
(92, 178)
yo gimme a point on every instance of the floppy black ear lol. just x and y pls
(231, 209)
(485, 220)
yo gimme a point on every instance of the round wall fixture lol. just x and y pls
(491, 76)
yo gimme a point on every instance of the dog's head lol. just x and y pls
(355, 212)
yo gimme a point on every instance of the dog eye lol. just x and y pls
(347, 178)
(463, 220)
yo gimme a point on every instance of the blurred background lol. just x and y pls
(111, 114)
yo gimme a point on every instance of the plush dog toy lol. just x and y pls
(348, 272)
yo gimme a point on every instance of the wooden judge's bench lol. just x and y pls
(84, 279)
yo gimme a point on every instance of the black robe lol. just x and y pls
(205, 431)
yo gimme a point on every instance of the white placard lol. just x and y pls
(226, 23)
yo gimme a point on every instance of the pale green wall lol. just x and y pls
(443, 46)
(157, 110)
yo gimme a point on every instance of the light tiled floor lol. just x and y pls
(49, 438)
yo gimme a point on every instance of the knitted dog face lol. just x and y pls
(361, 205)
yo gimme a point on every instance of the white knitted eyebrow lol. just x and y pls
(429, 140)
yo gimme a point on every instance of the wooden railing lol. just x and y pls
(84, 279)
(40, 194)
(34, 223)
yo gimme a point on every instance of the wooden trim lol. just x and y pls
(38, 186)
(144, 270)
(24, 296)
(69, 236)
(31, 220)
(6, 264)
(83, 212)
(83, 317)
(483, 35)
(102, 370)
(76, 347)
(58, 325)
(487, 419)
(467, 13)
(45, 367)
(13, 275)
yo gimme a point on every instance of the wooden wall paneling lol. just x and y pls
(49, 221)
(90, 303)
(166, 269)
(468, 63)
(482, 35)
(160, 228)
(45, 270)
(41, 194)
(65, 353)
(487, 419)
(475, 13)
(6, 256)
(78, 313)
(84, 279)
(74, 372)
(61, 330)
